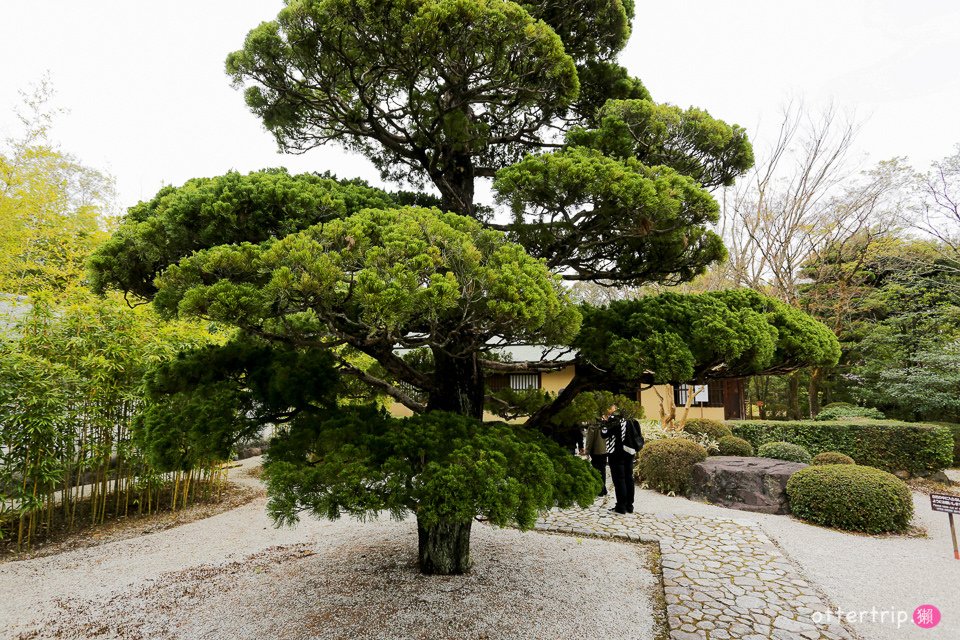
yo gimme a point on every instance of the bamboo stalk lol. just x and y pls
(23, 491)
(20, 531)
(116, 487)
(186, 489)
(33, 512)
(176, 487)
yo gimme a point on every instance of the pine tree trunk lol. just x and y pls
(456, 184)
(460, 387)
(444, 548)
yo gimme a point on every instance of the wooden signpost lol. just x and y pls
(950, 505)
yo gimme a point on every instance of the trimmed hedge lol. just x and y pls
(784, 451)
(734, 446)
(893, 446)
(832, 457)
(849, 411)
(666, 465)
(713, 429)
(850, 497)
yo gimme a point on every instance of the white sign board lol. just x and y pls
(702, 393)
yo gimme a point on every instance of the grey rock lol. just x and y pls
(940, 476)
(748, 484)
(749, 602)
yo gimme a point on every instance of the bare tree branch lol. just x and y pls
(806, 197)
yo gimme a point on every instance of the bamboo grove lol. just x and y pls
(70, 387)
(71, 363)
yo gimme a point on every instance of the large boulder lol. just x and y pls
(748, 484)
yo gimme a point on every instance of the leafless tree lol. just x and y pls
(806, 194)
(937, 211)
(601, 294)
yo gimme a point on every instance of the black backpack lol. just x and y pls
(634, 434)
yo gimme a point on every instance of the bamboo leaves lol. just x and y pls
(70, 384)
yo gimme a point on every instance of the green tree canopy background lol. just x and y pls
(896, 311)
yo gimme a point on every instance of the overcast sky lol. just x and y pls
(149, 101)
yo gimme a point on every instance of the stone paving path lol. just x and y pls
(724, 579)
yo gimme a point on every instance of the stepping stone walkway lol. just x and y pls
(723, 578)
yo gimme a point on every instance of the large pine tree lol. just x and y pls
(600, 182)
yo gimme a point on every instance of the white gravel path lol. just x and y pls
(234, 576)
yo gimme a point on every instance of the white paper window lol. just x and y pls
(523, 381)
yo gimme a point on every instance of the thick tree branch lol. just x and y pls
(529, 365)
(586, 378)
(392, 391)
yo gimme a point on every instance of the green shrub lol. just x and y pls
(734, 446)
(654, 430)
(784, 451)
(955, 429)
(848, 411)
(889, 445)
(850, 497)
(713, 429)
(666, 465)
(443, 466)
(832, 457)
(832, 405)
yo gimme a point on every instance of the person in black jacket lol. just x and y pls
(623, 439)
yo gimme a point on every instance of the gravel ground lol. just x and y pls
(234, 576)
(861, 572)
(113, 530)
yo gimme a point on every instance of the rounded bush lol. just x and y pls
(842, 413)
(833, 405)
(734, 446)
(850, 497)
(784, 451)
(713, 429)
(832, 457)
(666, 465)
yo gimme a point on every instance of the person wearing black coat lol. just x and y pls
(623, 440)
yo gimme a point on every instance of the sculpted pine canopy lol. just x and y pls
(601, 183)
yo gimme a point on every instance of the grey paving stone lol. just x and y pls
(723, 578)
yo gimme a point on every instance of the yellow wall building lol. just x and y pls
(716, 400)
(650, 402)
